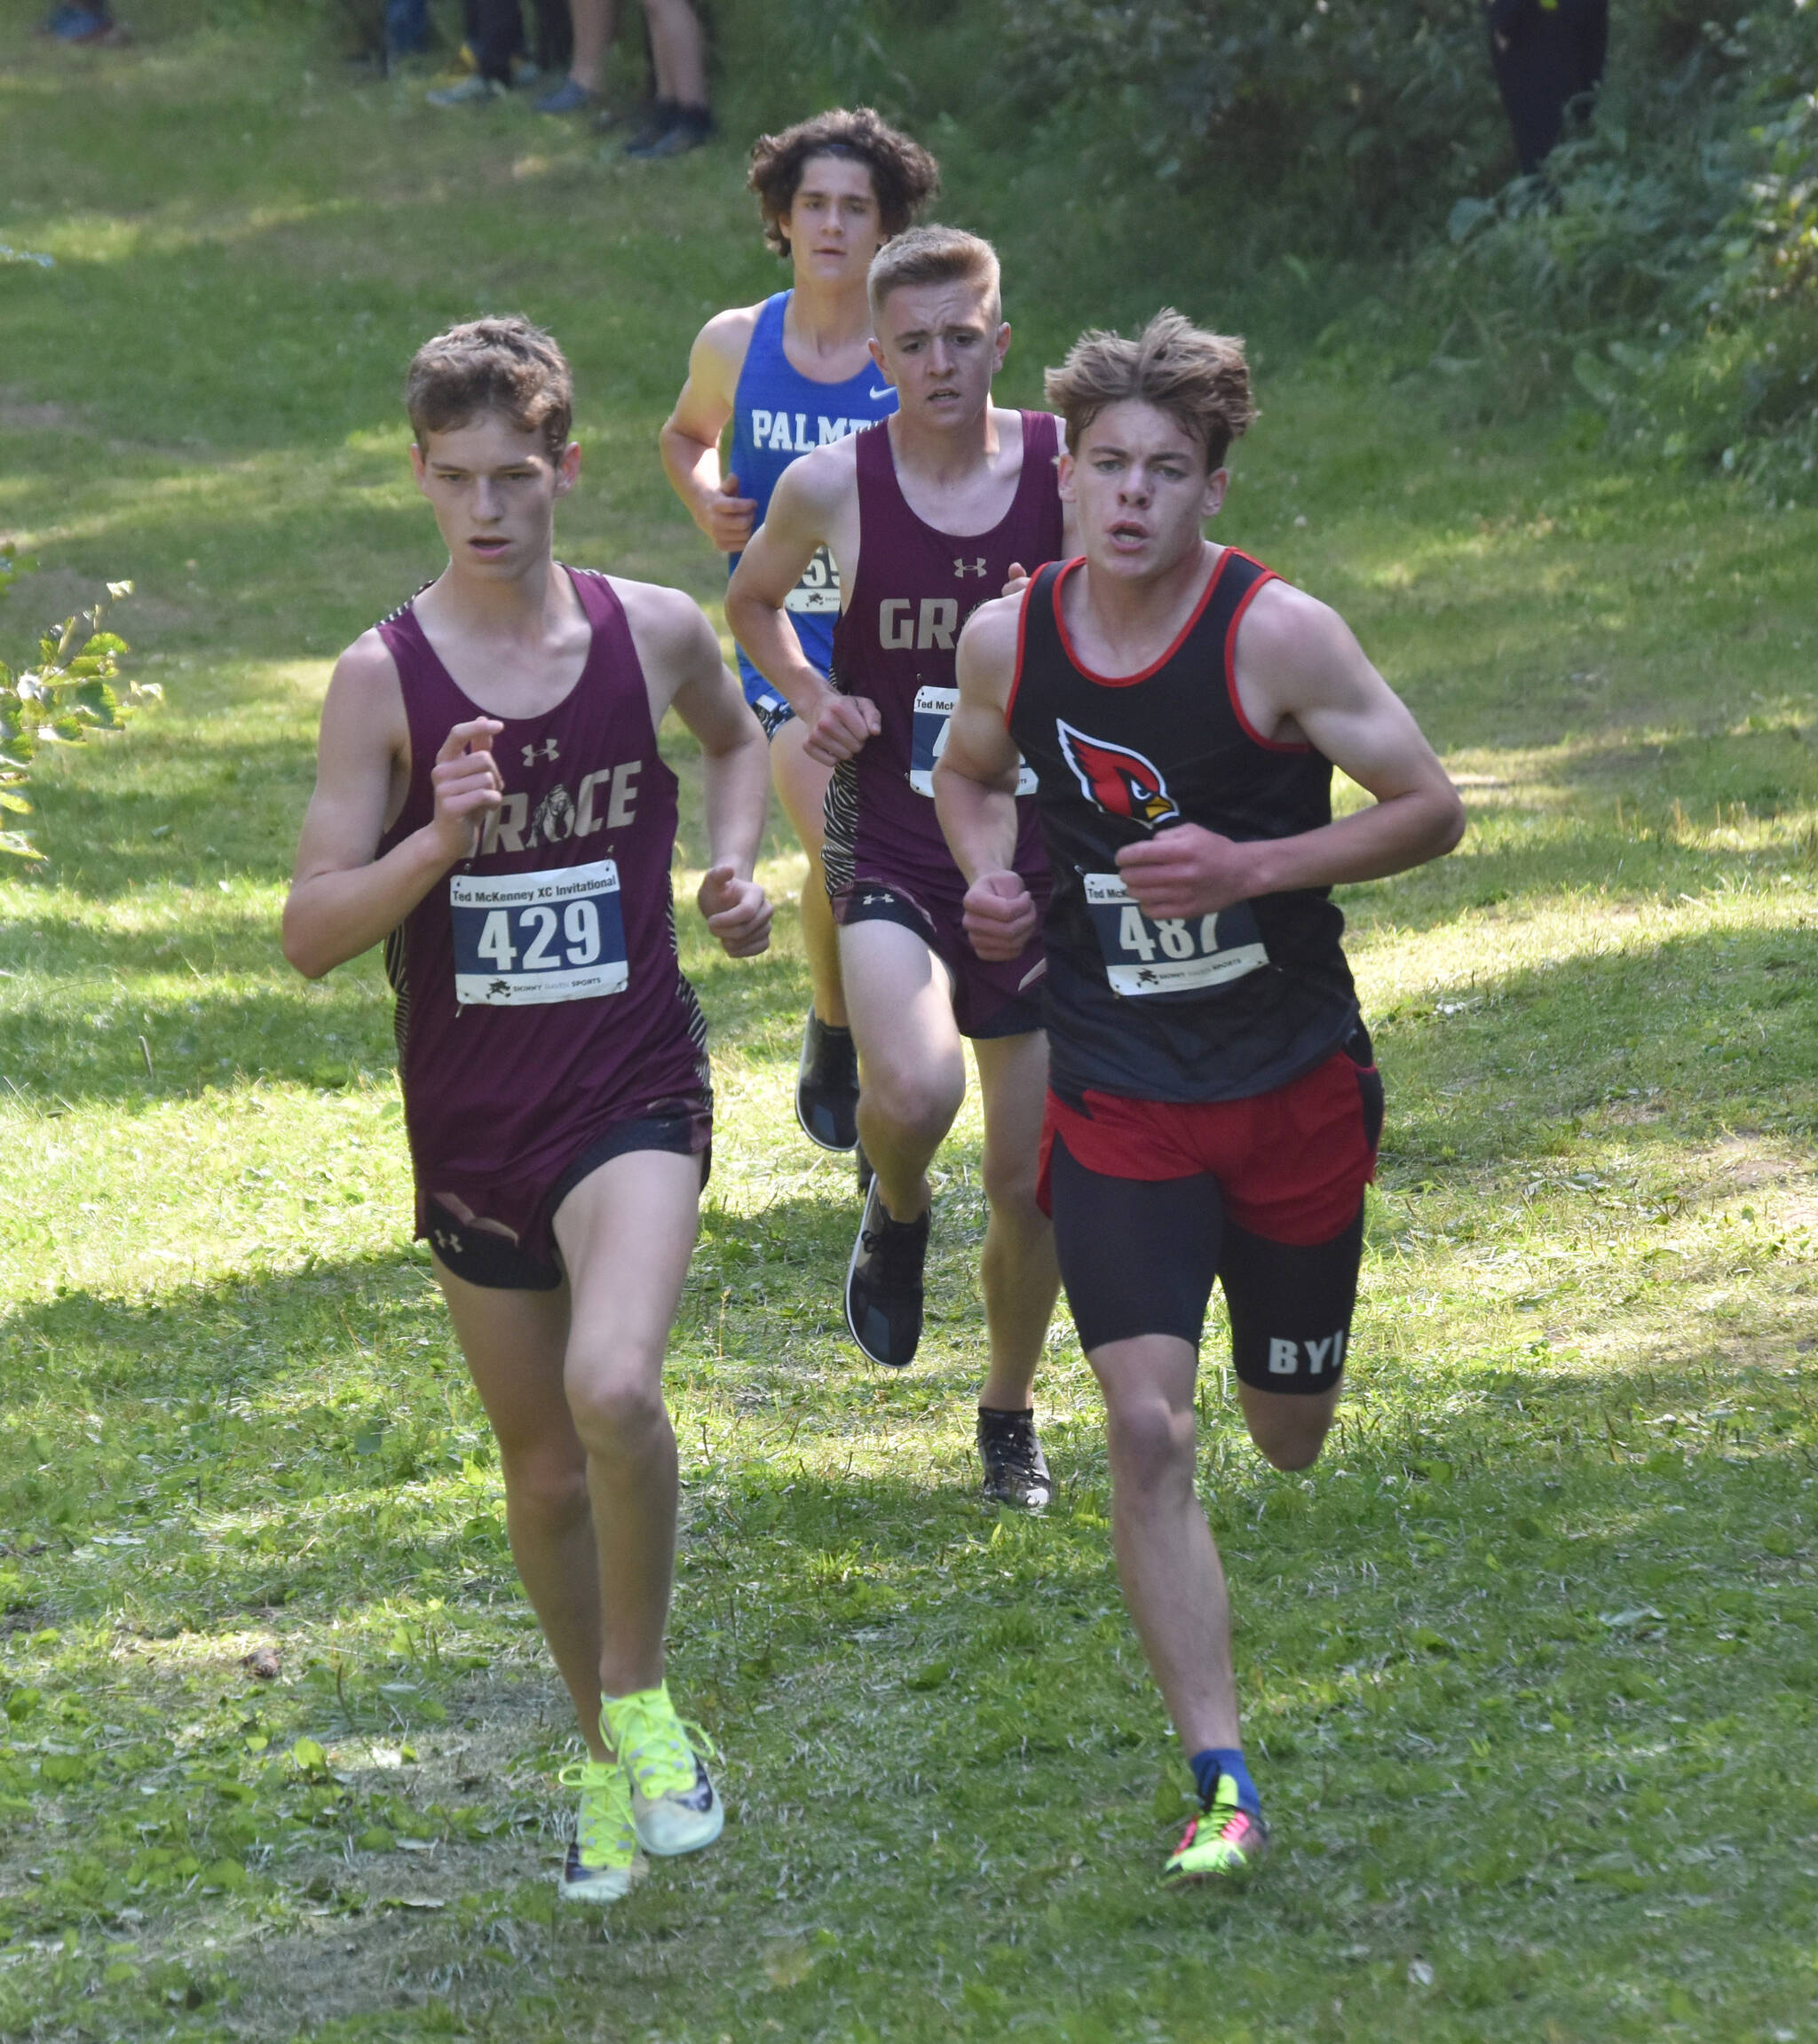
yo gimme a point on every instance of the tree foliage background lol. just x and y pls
(1665, 271)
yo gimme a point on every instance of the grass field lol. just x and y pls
(1530, 1658)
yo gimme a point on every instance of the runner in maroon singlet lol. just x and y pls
(1215, 1105)
(490, 802)
(926, 515)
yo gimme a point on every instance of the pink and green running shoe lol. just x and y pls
(1224, 1842)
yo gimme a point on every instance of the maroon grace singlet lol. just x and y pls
(540, 1001)
(894, 643)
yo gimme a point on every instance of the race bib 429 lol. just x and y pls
(529, 938)
(1180, 954)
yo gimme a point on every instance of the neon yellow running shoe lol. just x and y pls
(1223, 1844)
(603, 1859)
(673, 1804)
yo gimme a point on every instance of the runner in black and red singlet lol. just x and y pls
(925, 517)
(1214, 1107)
(789, 375)
(490, 803)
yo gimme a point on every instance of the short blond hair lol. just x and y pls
(504, 365)
(934, 256)
(1200, 379)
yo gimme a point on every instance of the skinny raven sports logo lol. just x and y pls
(1116, 780)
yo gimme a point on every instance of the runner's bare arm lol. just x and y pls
(974, 785)
(805, 508)
(684, 670)
(1302, 678)
(343, 901)
(690, 438)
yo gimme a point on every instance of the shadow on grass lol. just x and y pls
(1699, 1021)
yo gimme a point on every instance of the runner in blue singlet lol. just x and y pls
(787, 375)
(778, 413)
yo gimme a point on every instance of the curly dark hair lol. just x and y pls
(903, 174)
(496, 365)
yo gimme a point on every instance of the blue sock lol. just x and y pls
(1217, 1760)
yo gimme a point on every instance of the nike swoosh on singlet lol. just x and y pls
(884, 393)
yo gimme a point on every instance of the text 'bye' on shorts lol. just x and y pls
(1153, 1201)
(990, 998)
(681, 1127)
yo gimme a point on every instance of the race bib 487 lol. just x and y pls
(1176, 956)
(528, 937)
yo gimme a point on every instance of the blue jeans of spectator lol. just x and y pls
(406, 27)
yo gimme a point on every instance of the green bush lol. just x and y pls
(1670, 259)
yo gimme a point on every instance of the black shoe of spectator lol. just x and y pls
(689, 127)
(662, 112)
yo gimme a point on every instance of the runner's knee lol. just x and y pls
(617, 1401)
(1151, 1442)
(545, 1485)
(917, 1103)
(1009, 1179)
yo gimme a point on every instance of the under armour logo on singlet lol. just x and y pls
(965, 567)
(549, 749)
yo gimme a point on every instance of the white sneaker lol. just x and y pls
(673, 1804)
(603, 1859)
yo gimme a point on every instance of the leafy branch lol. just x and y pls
(70, 692)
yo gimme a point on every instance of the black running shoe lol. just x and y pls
(1016, 1470)
(883, 1284)
(826, 1085)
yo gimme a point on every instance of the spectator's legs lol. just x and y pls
(1533, 96)
(406, 27)
(1590, 21)
(593, 35)
(495, 36)
(679, 49)
(554, 35)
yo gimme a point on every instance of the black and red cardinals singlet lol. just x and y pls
(539, 1002)
(894, 642)
(1218, 1006)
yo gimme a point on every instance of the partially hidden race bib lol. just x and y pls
(818, 592)
(525, 938)
(928, 740)
(1180, 956)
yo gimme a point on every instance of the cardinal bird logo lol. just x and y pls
(1116, 780)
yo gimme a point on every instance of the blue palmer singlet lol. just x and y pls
(778, 413)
